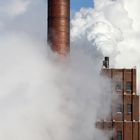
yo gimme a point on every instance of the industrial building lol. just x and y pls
(124, 117)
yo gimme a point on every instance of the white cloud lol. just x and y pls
(71, 97)
(112, 28)
(14, 7)
(41, 99)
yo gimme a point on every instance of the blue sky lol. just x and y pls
(77, 4)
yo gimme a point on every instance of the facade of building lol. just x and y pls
(124, 117)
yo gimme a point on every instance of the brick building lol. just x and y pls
(124, 117)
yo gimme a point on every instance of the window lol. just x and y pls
(119, 135)
(118, 86)
(128, 85)
(119, 108)
(129, 108)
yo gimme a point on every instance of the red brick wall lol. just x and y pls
(128, 123)
(135, 115)
(128, 131)
(135, 130)
(118, 127)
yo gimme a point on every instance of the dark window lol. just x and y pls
(129, 108)
(119, 108)
(129, 86)
(118, 86)
(119, 135)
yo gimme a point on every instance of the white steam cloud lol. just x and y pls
(14, 7)
(112, 28)
(41, 99)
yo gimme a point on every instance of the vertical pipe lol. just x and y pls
(59, 26)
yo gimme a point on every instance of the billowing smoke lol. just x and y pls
(111, 29)
(43, 99)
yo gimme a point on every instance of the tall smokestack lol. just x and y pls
(59, 26)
